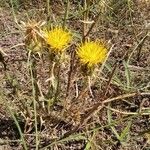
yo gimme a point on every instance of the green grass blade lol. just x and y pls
(70, 138)
(109, 115)
(125, 132)
(18, 127)
(127, 74)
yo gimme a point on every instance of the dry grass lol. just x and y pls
(51, 101)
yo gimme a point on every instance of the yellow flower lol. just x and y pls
(57, 38)
(92, 53)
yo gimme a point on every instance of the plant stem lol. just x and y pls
(85, 17)
(58, 70)
(18, 126)
(72, 60)
(66, 14)
(32, 69)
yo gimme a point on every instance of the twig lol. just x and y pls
(110, 78)
(125, 96)
(127, 113)
(85, 18)
(100, 105)
(70, 72)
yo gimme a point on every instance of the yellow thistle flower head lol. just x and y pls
(92, 53)
(58, 38)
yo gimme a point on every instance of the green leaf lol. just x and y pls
(88, 145)
(125, 133)
(109, 114)
(127, 74)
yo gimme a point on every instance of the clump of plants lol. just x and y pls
(75, 91)
(82, 58)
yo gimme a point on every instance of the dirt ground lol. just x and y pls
(127, 30)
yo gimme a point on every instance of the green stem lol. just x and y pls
(18, 126)
(34, 102)
(48, 11)
(66, 14)
(51, 71)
